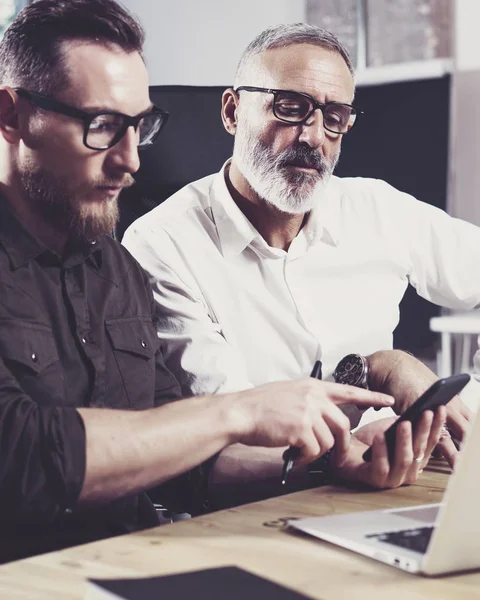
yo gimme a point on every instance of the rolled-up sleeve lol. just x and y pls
(42, 468)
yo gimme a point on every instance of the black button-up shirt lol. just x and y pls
(76, 331)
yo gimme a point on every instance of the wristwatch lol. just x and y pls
(320, 469)
(352, 370)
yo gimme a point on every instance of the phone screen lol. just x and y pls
(441, 392)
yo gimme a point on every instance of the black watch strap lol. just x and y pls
(320, 468)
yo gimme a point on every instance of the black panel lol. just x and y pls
(193, 144)
(402, 138)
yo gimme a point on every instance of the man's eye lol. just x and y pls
(293, 106)
(337, 117)
(334, 118)
(101, 124)
(290, 108)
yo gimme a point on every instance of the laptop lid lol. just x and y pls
(455, 543)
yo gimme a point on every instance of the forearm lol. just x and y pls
(246, 474)
(127, 452)
(399, 374)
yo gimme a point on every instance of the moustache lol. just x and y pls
(302, 156)
(125, 182)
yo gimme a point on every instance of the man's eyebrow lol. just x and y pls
(109, 109)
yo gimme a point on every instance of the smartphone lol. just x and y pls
(441, 392)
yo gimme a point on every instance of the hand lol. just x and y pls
(412, 453)
(458, 419)
(303, 414)
(406, 378)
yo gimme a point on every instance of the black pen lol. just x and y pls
(292, 453)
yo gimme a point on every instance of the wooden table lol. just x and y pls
(252, 537)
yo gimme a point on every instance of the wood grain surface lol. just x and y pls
(255, 538)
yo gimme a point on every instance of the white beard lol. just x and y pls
(290, 191)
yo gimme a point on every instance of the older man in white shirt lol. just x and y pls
(274, 263)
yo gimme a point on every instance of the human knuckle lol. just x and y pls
(303, 427)
(310, 387)
(329, 441)
(344, 422)
(384, 485)
(308, 397)
(382, 472)
(292, 440)
(379, 482)
(306, 417)
(294, 428)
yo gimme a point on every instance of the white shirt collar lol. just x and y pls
(237, 233)
(323, 223)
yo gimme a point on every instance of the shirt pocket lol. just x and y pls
(134, 343)
(29, 352)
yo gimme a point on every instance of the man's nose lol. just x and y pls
(124, 154)
(313, 132)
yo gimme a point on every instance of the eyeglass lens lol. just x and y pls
(294, 108)
(105, 128)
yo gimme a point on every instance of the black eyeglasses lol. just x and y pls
(102, 130)
(297, 107)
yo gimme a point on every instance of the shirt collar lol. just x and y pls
(234, 229)
(323, 223)
(22, 246)
(236, 232)
(90, 252)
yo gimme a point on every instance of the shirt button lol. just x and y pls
(34, 357)
(68, 511)
(144, 344)
(84, 341)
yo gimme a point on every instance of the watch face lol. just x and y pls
(350, 370)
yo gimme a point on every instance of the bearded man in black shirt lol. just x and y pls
(87, 422)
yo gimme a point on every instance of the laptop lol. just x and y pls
(431, 539)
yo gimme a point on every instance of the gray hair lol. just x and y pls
(280, 36)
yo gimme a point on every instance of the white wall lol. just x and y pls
(199, 42)
(467, 17)
(464, 176)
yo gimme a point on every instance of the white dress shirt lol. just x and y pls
(236, 313)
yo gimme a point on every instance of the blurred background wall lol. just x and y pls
(199, 42)
(464, 165)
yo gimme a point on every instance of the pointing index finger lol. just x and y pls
(348, 394)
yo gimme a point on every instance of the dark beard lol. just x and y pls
(61, 206)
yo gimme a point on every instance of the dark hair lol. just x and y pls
(31, 50)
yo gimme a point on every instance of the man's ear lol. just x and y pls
(9, 121)
(229, 110)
